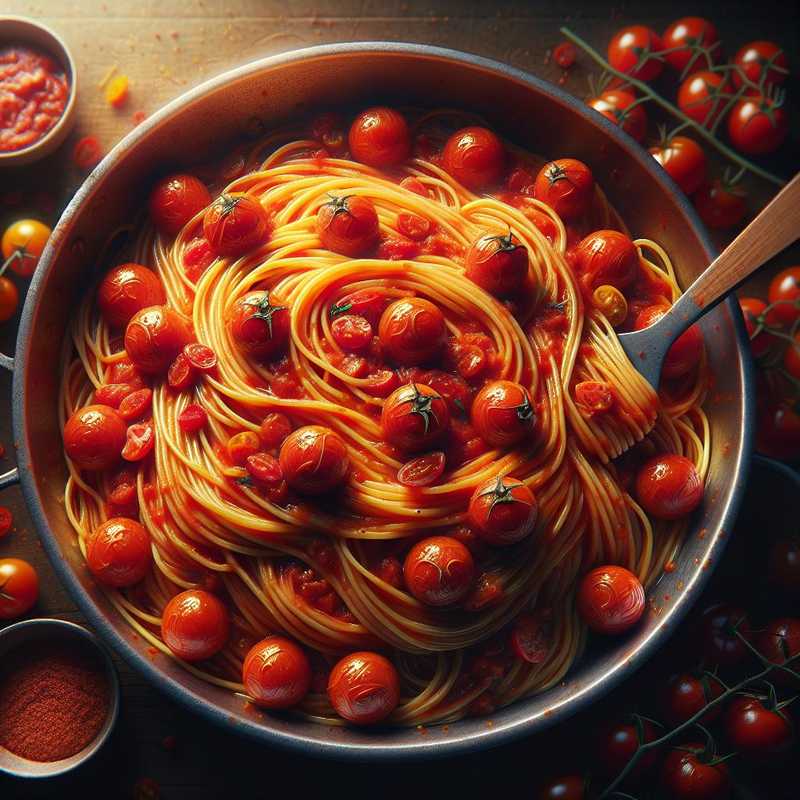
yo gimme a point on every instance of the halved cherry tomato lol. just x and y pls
(352, 333)
(6, 520)
(329, 130)
(381, 383)
(594, 397)
(423, 470)
(630, 49)
(241, 446)
(611, 302)
(274, 428)
(414, 185)
(136, 404)
(193, 418)
(197, 258)
(367, 303)
(181, 374)
(140, 442)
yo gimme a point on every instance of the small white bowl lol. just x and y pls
(19, 30)
(36, 630)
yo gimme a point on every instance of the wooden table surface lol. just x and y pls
(165, 48)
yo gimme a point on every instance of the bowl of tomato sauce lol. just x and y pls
(37, 91)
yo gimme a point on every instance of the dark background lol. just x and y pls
(166, 47)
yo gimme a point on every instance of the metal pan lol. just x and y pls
(271, 91)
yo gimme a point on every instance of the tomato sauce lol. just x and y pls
(33, 95)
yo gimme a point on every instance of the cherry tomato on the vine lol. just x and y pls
(722, 630)
(630, 50)
(22, 245)
(691, 774)
(686, 695)
(9, 299)
(784, 296)
(720, 204)
(685, 37)
(778, 431)
(623, 109)
(756, 731)
(784, 564)
(702, 96)
(684, 161)
(779, 642)
(618, 742)
(568, 787)
(19, 587)
(759, 60)
(758, 125)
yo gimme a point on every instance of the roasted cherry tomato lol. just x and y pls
(532, 637)
(503, 510)
(720, 204)
(623, 109)
(684, 38)
(181, 375)
(94, 437)
(351, 332)
(439, 571)
(755, 731)
(688, 776)
(703, 95)
(617, 743)
(414, 226)
(784, 295)
(19, 587)
(685, 352)
(127, 289)
(193, 418)
(687, 695)
(364, 688)
(779, 642)
(200, 356)
(9, 299)
(314, 459)
(567, 186)
(502, 413)
(155, 336)
(235, 224)
(498, 264)
(259, 325)
(379, 137)
(414, 417)
(412, 331)
(594, 397)
(475, 157)
(607, 257)
(276, 673)
(118, 553)
(630, 49)
(140, 441)
(668, 486)
(274, 428)
(757, 58)
(611, 599)
(684, 161)
(136, 404)
(367, 303)
(241, 446)
(195, 625)
(611, 302)
(176, 200)
(197, 258)
(423, 470)
(784, 564)
(758, 125)
(348, 225)
(721, 644)
(568, 787)
(22, 245)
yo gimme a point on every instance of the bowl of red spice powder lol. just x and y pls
(59, 697)
(37, 91)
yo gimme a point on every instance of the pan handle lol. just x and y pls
(9, 478)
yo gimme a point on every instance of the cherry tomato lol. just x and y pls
(348, 225)
(124, 371)
(6, 521)
(629, 52)
(314, 460)
(259, 325)
(498, 264)
(784, 294)
(367, 303)
(352, 333)
(112, 394)
(687, 695)
(413, 226)
(364, 688)
(423, 470)
(23, 243)
(195, 625)
(87, 153)
(531, 637)
(9, 299)
(702, 96)
(451, 388)
(175, 200)
(618, 106)
(617, 743)
(197, 258)
(567, 186)
(721, 645)
(757, 125)
(756, 58)
(569, 787)
(779, 642)
(594, 397)
(193, 418)
(784, 564)
(19, 587)
(439, 571)
(118, 553)
(241, 446)
(475, 157)
(381, 383)
(611, 302)
(502, 413)
(200, 356)
(276, 673)
(135, 404)
(379, 137)
(141, 440)
(720, 205)
(778, 431)
(564, 54)
(755, 731)
(412, 331)
(127, 289)
(94, 437)
(274, 428)
(181, 374)
(684, 161)
(687, 776)
(328, 130)
(607, 257)
(668, 486)
(414, 417)
(503, 510)
(155, 336)
(611, 599)
(684, 37)
(235, 224)
(265, 469)
(686, 351)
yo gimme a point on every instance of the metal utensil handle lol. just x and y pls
(9, 478)
(773, 230)
(7, 362)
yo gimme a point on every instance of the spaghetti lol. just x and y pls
(387, 366)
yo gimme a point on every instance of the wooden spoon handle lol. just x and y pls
(774, 229)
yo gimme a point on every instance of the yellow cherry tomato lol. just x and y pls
(117, 91)
(9, 299)
(22, 245)
(611, 302)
